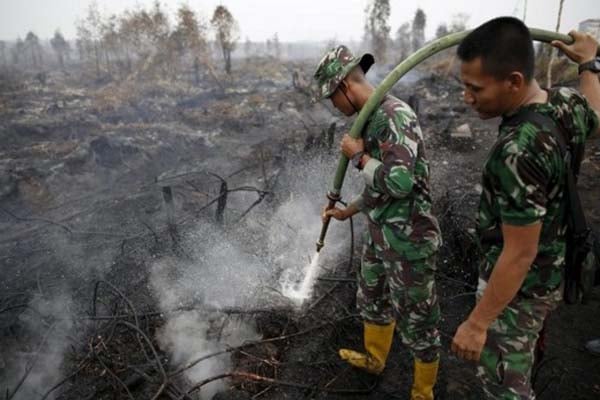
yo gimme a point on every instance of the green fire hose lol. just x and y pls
(389, 81)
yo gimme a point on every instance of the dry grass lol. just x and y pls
(113, 96)
(118, 94)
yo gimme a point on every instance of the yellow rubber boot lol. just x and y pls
(378, 340)
(424, 380)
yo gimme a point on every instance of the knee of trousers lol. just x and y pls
(376, 309)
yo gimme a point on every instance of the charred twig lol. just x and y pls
(116, 291)
(25, 253)
(62, 226)
(305, 331)
(261, 196)
(255, 377)
(149, 343)
(175, 393)
(158, 366)
(24, 305)
(209, 380)
(257, 395)
(258, 342)
(223, 194)
(129, 303)
(79, 368)
(340, 303)
(151, 314)
(234, 173)
(335, 378)
(272, 363)
(250, 189)
(314, 304)
(110, 371)
(196, 188)
(198, 360)
(154, 234)
(30, 219)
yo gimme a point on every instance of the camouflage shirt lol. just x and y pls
(396, 198)
(523, 183)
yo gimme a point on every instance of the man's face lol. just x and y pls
(488, 96)
(340, 101)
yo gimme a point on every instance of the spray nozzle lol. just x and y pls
(333, 198)
(320, 245)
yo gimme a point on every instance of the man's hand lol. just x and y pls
(337, 213)
(469, 340)
(583, 48)
(351, 146)
(518, 253)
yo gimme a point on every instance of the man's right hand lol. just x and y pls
(583, 48)
(337, 213)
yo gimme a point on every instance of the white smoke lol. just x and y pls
(191, 335)
(220, 275)
(247, 266)
(47, 328)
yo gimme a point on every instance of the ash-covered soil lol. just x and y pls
(148, 230)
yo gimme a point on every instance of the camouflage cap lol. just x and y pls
(335, 66)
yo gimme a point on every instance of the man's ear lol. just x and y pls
(516, 81)
(343, 85)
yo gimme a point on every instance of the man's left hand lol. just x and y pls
(351, 146)
(469, 340)
(582, 49)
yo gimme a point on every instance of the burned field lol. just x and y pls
(149, 229)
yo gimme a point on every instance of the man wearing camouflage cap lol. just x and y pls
(396, 280)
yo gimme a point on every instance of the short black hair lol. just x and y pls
(504, 45)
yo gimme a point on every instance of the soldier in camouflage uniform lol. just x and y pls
(521, 218)
(396, 279)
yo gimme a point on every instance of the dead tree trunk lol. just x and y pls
(196, 71)
(171, 223)
(227, 55)
(97, 59)
(107, 60)
(222, 203)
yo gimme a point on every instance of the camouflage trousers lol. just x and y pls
(508, 355)
(392, 288)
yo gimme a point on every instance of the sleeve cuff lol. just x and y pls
(358, 202)
(369, 170)
(521, 220)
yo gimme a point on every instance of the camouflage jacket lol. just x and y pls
(524, 183)
(396, 198)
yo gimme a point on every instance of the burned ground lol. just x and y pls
(147, 227)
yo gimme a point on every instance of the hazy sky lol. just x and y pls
(295, 20)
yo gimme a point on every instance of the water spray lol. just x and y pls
(409, 63)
